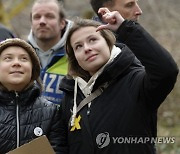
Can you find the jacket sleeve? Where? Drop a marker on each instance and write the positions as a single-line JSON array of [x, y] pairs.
[[55, 137], [160, 68], [60, 126]]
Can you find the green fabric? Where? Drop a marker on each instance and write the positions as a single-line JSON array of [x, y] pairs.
[[60, 67]]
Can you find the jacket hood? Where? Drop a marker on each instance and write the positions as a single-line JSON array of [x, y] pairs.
[[61, 42]]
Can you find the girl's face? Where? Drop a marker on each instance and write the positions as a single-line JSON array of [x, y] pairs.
[[15, 68], [90, 49]]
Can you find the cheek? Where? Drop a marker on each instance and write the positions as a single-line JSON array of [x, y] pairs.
[[28, 69], [34, 24], [79, 58], [34, 27], [125, 13], [105, 57], [3, 70], [4, 67], [55, 24], [78, 55]]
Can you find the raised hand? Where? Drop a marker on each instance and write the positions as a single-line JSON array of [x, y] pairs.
[[113, 19]]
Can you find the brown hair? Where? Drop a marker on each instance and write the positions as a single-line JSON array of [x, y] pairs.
[[74, 68]]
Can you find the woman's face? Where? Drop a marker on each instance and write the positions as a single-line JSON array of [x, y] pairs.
[[15, 68], [90, 49]]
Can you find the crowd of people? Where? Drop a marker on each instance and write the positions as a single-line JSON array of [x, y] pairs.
[[82, 82]]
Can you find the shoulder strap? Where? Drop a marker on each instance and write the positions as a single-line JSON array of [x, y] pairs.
[[88, 99], [91, 97]]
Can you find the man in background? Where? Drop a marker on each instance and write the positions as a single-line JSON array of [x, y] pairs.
[[48, 35], [129, 9]]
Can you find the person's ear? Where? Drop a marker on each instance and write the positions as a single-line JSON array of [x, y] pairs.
[[62, 24]]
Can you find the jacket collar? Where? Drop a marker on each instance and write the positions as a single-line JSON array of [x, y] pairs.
[[24, 97]]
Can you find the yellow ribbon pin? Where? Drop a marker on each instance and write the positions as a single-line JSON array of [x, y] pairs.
[[76, 124]]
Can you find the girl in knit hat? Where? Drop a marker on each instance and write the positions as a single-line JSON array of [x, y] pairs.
[[24, 115]]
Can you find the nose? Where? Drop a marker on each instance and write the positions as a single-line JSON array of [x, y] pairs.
[[16, 62], [87, 48], [42, 20], [138, 10]]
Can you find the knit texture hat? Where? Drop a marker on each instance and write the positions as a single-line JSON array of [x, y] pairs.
[[28, 48]]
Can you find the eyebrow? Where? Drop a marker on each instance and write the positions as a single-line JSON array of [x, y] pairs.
[[91, 35], [24, 54]]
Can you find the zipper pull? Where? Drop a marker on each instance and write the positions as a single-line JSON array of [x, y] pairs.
[[89, 109]]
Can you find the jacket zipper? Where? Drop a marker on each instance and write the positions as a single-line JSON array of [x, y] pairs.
[[17, 118]]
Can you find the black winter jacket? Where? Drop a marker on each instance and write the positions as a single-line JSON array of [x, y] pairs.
[[20, 116], [127, 108]]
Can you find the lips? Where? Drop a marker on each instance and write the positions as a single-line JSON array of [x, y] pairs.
[[16, 72], [91, 56], [42, 29]]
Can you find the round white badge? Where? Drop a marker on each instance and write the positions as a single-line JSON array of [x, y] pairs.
[[38, 131]]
